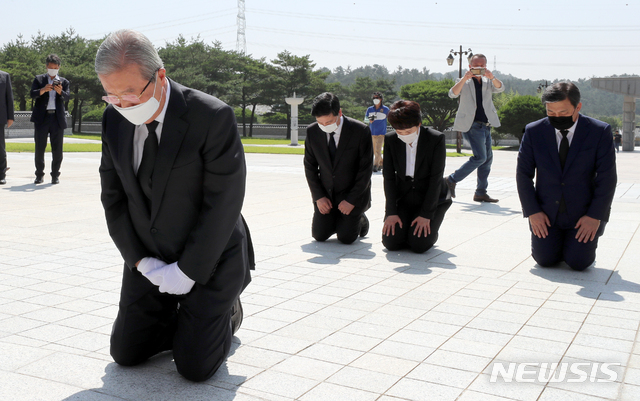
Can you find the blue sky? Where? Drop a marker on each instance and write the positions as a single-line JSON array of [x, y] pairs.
[[538, 40]]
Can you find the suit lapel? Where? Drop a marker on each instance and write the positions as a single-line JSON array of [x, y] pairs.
[[420, 151], [344, 140], [125, 159], [551, 143], [579, 137], [322, 148], [174, 129], [401, 156]]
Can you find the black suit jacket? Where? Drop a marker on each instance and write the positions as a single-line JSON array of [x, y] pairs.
[[588, 181], [6, 98], [40, 108], [198, 187], [427, 179], [349, 178]]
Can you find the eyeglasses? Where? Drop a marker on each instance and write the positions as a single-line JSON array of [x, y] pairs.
[[128, 98]]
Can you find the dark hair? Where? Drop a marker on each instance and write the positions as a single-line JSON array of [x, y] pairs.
[[53, 58], [325, 104], [378, 94], [404, 114], [478, 55], [561, 91]]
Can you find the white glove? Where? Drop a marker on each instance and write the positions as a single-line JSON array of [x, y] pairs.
[[148, 264], [170, 279]]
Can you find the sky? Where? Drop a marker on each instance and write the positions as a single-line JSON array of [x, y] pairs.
[[537, 40]]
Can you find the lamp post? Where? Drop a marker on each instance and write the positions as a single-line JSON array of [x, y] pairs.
[[542, 87], [450, 60]]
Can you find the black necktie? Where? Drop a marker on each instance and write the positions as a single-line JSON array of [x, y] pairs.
[[332, 147], [564, 147], [563, 152], [150, 150]]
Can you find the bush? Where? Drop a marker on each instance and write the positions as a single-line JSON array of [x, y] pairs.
[[247, 115], [94, 115], [518, 112], [274, 118]]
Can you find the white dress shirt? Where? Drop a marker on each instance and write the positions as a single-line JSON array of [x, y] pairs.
[[411, 156], [141, 133], [51, 105]]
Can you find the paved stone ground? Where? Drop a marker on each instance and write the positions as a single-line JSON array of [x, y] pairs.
[[325, 321]]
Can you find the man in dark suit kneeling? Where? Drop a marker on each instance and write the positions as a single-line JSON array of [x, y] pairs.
[[338, 162], [574, 163], [173, 183]]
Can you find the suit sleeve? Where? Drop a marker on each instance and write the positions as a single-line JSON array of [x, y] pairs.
[[9, 99], [389, 175], [525, 171], [35, 88], [312, 169], [65, 94], [365, 168], [605, 179], [116, 209], [223, 195], [436, 171]]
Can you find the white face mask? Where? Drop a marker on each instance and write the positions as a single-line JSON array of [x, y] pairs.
[[142, 112], [52, 72], [329, 128], [376, 101], [409, 138]]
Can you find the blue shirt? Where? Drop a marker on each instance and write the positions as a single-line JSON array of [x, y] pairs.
[[379, 125]]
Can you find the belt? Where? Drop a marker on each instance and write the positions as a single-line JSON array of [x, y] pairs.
[[51, 111], [482, 122]]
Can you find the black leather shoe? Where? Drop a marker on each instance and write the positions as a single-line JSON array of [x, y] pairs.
[[3, 181], [452, 186], [55, 181], [236, 316], [364, 225], [484, 198], [38, 180]]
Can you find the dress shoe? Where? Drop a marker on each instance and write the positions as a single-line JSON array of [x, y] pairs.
[[236, 316], [484, 198], [3, 181], [452, 186], [364, 225], [55, 181], [38, 180]]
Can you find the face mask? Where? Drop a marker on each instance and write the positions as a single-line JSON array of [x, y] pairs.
[[561, 123], [409, 138], [52, 72], [329, 128], [142, 112], [376, 101]]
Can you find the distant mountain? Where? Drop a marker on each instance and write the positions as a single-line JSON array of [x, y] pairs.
[[595, 102]]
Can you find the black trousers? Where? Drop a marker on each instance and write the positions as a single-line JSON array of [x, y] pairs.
[[196, 326], [346, 227], [3, 154], [561, 245], [405, 238], [50, 128]]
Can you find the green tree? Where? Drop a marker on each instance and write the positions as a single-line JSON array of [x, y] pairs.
[[22, 62], [361, 90], [520, 111], [438, 109]]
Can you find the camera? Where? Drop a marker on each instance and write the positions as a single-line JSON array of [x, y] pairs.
[[477, 70], [372, 117], [56, 82]]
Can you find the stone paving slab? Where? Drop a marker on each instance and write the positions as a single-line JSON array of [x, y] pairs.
[[326, 321]]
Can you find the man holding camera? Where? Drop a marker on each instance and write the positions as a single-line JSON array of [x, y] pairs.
[[377, 118], [48, 116], [475, 117]]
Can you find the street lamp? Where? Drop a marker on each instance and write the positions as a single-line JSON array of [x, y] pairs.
[[542, 87], [450, 60]]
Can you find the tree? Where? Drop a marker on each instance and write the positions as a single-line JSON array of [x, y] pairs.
[[361, 90], [438, 109], [520, 111], [22, 62]]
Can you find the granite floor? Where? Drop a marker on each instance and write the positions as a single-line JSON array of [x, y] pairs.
[[326, 321]]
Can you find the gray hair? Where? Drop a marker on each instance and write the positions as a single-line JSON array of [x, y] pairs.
[[124, 48]]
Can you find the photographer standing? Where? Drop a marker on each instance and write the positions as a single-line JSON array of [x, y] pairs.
[[376, 116], [475, 117], [48, 115]]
